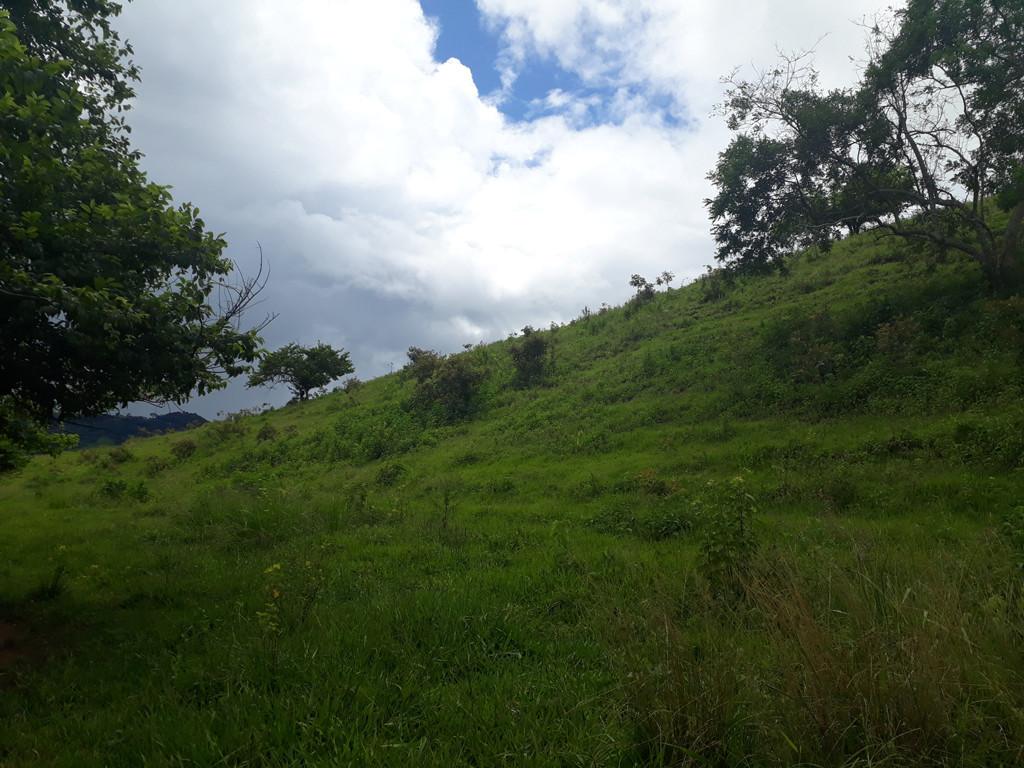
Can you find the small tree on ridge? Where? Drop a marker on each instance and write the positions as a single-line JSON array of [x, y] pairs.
[[303, 369]]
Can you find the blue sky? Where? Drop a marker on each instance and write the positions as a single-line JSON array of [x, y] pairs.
[[437, 183], [465, 35]]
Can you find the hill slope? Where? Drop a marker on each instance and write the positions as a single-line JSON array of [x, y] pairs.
[[757, 521]]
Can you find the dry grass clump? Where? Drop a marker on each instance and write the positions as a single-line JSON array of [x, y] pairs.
[[879, 661]]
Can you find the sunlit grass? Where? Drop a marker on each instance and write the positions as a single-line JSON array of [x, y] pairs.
[[565, 579]]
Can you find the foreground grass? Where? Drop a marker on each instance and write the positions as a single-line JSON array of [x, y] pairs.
[[769, 523]]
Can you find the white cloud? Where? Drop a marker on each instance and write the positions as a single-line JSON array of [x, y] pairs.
[[681, 48], [398, 206]]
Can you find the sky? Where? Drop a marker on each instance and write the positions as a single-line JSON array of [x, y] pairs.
[[445, 172]]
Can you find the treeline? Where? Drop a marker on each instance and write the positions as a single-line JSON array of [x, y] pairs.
[[111, 429]]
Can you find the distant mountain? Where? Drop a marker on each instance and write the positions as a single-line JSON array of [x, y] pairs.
[[113, 430]]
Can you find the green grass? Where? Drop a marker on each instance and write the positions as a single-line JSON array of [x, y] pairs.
[[766, 521]]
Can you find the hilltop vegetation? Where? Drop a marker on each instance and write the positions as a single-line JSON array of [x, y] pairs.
[[752, 521]]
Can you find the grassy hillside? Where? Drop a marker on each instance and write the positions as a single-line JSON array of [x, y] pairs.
[[766, 521]]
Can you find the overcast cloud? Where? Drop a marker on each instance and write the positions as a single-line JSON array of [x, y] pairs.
[[399, 206]]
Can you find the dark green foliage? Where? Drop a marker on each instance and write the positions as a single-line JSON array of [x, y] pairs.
[[645, 293], [898, 153], [351, 385], [116, 488], [714, 284], [447, 389], [376, 433], [531, 359], [104, 285], [1012, 529], [389, 474], [728, 543], [183, 449], [268, 432], [302, 369], [422, 363]]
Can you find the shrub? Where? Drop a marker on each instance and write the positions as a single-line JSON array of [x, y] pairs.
[[531, 359], [390, 474], [268, 432], [896, 340], [231, 426], [727, 542], [117, 489], [120, 454], [451, 391], [714, 284], [644, 294], [422, 363], [184, 449], [155, 465]]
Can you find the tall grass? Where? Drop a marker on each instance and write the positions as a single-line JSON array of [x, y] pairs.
[[883, 659]]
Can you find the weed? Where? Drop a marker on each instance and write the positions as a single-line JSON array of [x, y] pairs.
[[267, 433], [389, 474], [183, 449], [155, 465], [1012, 529], [727, 542], [115, 488], [120, 455], [56, 583], [291, 590], [557, 583], [232, 426], [503, 486]]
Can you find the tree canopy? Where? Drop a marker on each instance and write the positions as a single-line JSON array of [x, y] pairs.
[[921, 147], [108, 293], [302, 369]]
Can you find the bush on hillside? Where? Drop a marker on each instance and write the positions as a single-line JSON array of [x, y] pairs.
[[531, 358], [452, 390]]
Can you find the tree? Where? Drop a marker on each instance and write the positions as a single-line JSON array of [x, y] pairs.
[[303, 369], [422, 363], [531, 358], [108, 293], [921, 148], [447, 388]]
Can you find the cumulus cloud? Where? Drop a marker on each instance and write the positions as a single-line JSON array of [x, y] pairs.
[[396, 204], [678, 48]]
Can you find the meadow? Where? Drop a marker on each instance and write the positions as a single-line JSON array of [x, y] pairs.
[[751, 521]]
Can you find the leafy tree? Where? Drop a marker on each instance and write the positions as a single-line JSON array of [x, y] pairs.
[[918, 149], [531, 358], [108, 293], [644, 289], [422, 363], [303, 369], [447, 387]]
